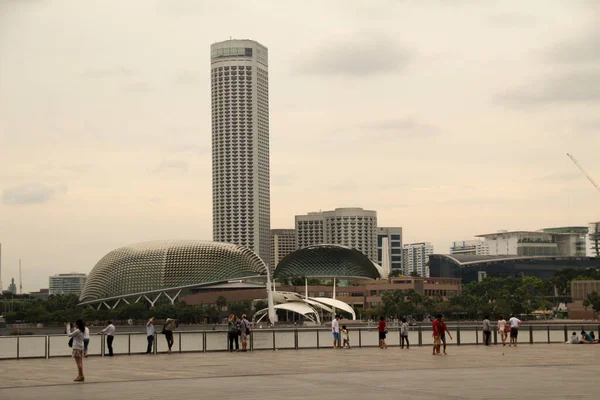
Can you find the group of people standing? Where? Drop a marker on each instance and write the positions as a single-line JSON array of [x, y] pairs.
[[238, 328]]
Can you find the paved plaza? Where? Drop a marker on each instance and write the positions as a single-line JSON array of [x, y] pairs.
[[468, 372]]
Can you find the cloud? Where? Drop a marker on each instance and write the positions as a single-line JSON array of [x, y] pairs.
[[400, 128], [562, 177], [282, 179], [34, 193], [570, 87], [358, 57], [118, 71], [584, 49], [176, 165]]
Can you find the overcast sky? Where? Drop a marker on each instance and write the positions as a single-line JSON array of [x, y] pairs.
[[450, 118]]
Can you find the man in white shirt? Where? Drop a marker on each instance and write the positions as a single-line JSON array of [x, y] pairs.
[[109, 331], [335, 329], [514, 323], [150, 334]]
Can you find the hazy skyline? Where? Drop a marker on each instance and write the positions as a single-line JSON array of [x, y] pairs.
[[449, 118]]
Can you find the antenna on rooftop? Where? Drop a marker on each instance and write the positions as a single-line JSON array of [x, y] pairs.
[[20, 278]]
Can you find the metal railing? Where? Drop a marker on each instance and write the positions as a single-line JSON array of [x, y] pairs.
[[128, 343]]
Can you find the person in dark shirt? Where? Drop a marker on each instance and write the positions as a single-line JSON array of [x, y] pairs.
[[437, 334]]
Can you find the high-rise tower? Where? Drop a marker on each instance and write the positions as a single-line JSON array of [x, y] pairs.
[[240, 145]]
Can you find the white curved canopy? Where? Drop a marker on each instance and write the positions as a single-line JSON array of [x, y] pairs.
[[297, 307], [335, 303], [317, 304]]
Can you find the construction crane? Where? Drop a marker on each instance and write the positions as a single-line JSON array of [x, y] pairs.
[[584, 172]]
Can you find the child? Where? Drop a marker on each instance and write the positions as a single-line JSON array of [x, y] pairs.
[[345, 337]]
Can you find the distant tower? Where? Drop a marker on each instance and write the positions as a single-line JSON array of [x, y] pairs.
[[240, 145]]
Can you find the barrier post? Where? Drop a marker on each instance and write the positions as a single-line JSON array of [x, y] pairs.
[[179, 341], [548, 327], [274, 348], [530, 334], [476, 335], [566, 333], [458, 335], [420, 336], [46, 346]]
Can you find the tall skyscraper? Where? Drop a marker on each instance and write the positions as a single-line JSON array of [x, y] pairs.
[[415, 257], [240, 145], [351, 227], [283, 242]]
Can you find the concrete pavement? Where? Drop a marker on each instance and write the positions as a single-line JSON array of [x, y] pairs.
[[468, 372]]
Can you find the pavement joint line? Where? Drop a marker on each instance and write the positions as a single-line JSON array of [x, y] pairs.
[[284, 375]]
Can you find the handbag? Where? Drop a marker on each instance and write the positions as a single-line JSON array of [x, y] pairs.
[[71, 342], [506, 329]]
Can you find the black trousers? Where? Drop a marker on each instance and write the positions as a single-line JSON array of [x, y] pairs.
[[109, 342], [487, 335], [150, 341], [233, 337], [402, 339], [169, 337]]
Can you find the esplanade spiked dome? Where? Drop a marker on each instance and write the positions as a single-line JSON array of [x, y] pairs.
[[327, 261], [162, 265]]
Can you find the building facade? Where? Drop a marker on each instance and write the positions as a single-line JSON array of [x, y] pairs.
[[12, 288], [283, 242], [240, 145], [351, 227], [415, 257], [562, 242], [389, 248], [594, 239], [67, 284], [466, 247]]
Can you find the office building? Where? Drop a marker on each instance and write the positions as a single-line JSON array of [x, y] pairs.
[[469, 267], [351, 227], [240, 145], [415, 257], [67, 284], [594, 239], [389, 249], [283, 242], [466, 247], [12, 288], [562, 242]]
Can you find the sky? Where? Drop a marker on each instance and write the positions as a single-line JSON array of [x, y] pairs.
[[449, 118]]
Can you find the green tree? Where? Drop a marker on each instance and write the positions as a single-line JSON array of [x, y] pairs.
[[221, 302], [593, 299]]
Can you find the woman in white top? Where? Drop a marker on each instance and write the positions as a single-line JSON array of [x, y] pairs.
[[78, 345], [502, 329]]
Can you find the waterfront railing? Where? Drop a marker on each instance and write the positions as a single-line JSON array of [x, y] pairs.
[[129, 343]]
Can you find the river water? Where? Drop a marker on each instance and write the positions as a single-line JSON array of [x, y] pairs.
[[262, 339]]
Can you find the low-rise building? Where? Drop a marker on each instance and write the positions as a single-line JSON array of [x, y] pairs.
[[67, 283], [465, 247]]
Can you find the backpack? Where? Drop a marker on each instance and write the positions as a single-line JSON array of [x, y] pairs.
[[248, 331]]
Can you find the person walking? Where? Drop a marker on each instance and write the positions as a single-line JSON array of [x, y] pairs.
[[232, 333], [437, 334], [382, 329], [514, 323], [335, 331], [78, 347], [150, 334], [404, 334], [502, 329], [168, 328], [245, 330], [443, 331], [109, 331], [86, 341], [487, 330]]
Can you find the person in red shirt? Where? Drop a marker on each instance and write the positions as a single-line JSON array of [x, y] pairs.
[[437, 334], [381, 327], [443, 331]]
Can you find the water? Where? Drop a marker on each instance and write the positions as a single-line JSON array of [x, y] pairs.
[[135, 343]]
